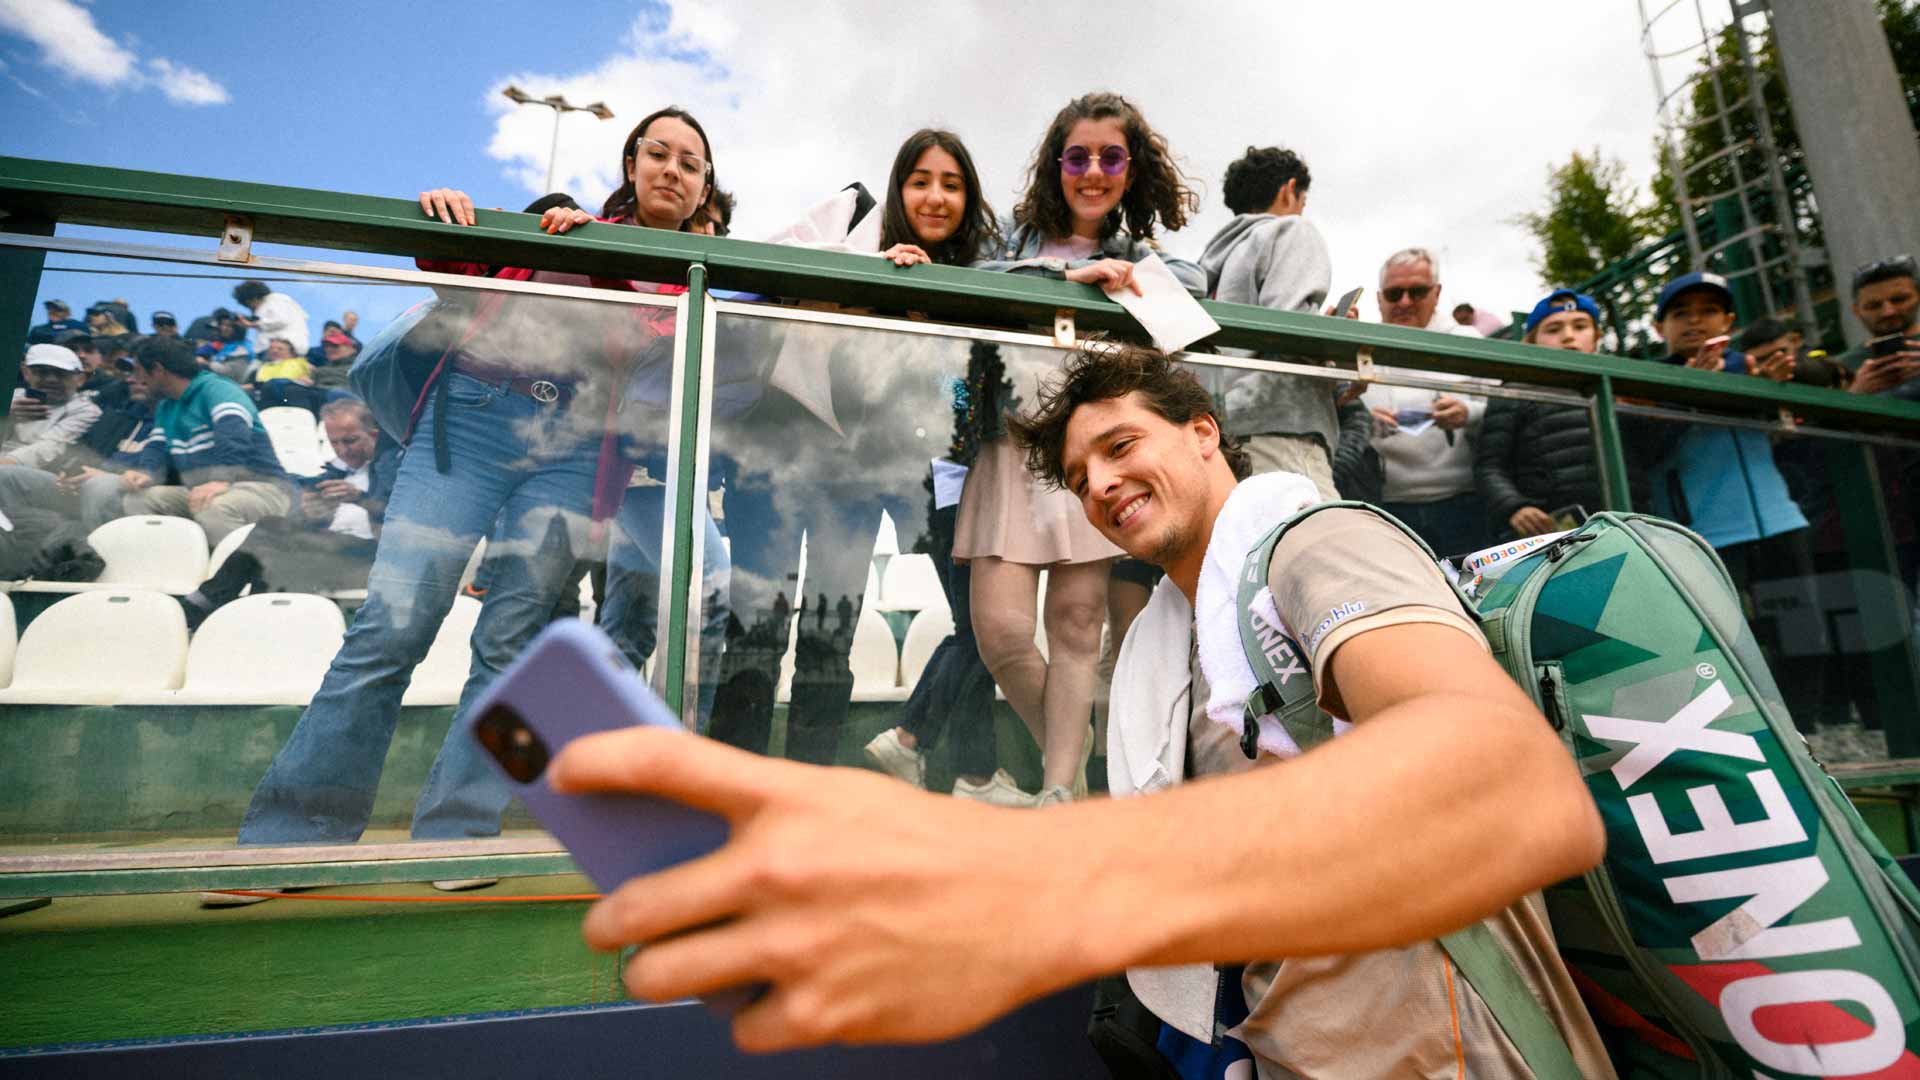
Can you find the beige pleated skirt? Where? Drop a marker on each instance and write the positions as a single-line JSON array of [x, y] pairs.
[[1005, 513]]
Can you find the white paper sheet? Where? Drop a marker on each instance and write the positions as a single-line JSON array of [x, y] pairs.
[[948, 479], [1173, 318]]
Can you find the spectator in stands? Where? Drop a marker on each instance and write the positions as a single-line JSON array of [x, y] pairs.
[[1775, 349], [83, 347], [104, 474], [1272, 256], [330, 543], [208, 432], [274, 315], [164, 324], [1425, 438], [205, 327], [715, 217], [227, 353], [1535, 459], [59, 320], [1886, 300], [333, 358], [506, 449], [53, 375], [285, 378], [1723, 483], [1484, 323], [1101, 183], [111, 318]]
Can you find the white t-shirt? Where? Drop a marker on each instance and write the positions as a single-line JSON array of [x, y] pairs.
[[279, 315], [351, 518]]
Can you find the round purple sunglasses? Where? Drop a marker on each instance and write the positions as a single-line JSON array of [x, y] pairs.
[[1078, 159]]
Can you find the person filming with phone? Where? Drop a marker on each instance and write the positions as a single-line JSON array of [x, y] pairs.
[[1723, 483], [1886, 300]]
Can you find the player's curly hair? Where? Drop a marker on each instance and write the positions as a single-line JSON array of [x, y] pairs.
[[1102, 371]]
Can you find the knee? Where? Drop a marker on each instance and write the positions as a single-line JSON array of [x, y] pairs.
[[1003, 639], [1073, 625]]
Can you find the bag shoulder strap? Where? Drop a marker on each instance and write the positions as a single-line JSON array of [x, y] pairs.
[[1276, 658], [1492, 974]]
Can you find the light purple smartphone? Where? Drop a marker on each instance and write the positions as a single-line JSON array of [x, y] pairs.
[[573, 681]]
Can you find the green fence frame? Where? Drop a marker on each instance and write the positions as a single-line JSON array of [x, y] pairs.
[[35, 196]]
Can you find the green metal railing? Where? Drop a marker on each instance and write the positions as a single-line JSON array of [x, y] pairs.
[[36, 196]]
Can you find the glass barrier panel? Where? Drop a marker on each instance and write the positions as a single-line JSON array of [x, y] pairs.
[[1817, 533], [243, 614]]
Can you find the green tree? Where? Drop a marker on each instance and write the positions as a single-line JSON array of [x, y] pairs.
[[1594, 217]]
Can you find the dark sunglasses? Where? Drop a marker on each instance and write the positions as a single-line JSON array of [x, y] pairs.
[[1892, 265], [1077, 159], [1415, 292]]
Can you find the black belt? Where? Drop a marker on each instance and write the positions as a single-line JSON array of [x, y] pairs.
[[544, 391]]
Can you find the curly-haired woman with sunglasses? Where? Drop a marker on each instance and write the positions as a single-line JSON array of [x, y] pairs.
[[1102, 182]]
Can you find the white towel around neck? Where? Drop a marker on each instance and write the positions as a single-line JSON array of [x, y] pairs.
[[1255, 507]]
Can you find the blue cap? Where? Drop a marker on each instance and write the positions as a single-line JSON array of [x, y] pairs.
[[1696, 280], [1562, 300]]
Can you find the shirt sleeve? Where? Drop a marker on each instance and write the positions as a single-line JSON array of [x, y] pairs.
[[59, 436], [1346, 571]]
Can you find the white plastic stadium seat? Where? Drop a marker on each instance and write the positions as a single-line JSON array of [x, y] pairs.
[[924, 635], [874, 659], [438, 679], [270, 649], [911, 583], [293, 432], [9, 639], [227, 547], [98, 647]]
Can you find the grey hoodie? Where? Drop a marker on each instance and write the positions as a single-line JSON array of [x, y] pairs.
[[1277, 262]]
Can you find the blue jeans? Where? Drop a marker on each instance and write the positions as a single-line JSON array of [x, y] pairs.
[[1452, 527], [514, 460], [630, 611]]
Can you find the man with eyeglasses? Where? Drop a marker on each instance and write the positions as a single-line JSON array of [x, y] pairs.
[[1886, 300], [1425, 438]]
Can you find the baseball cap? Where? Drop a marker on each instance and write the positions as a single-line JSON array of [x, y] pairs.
[[1562, 300], [53, 356], [70, 338], [1699, 279], [61, 304], [163, 316], [337, 337]]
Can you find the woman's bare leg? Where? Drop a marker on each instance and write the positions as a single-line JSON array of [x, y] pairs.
[[1004, 598], [1075, 608]]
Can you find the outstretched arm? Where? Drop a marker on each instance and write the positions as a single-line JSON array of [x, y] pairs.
[[879, 913]]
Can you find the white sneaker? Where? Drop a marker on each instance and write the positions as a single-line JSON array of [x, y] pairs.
[[463, 884], [893, 757], [1055, 795], [999, 790]]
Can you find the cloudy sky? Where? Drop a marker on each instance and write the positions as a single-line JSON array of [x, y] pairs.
[[1422, 125]]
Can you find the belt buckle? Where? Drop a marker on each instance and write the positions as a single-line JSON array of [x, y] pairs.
[[544, 392]]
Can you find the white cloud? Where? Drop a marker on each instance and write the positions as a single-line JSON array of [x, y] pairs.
[[184, 85], [73, 43], [1421, 126]]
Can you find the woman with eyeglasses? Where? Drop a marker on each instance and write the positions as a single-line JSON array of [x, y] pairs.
[[1101, 184], [518, 438]]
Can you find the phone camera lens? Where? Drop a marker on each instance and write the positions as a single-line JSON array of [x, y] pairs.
[[514, 745]]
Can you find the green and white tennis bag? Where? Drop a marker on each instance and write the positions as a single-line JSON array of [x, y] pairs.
[[1745, 922]]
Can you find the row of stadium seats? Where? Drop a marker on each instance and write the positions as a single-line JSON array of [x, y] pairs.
[[274, 648]]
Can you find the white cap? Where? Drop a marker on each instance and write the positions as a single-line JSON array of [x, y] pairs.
[[53, 356]]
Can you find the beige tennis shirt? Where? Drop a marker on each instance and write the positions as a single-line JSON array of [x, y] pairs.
[[1395, 1012]]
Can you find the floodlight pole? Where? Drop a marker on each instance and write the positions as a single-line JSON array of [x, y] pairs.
[[559, 105]]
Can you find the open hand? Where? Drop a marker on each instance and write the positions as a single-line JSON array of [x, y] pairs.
[[906, 254], [449, 205], [559, 219]]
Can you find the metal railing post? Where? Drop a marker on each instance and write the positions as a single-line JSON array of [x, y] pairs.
[[1610, 448], [683, 520]]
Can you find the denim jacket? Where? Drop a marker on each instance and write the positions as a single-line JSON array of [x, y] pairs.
[[1018, 252]]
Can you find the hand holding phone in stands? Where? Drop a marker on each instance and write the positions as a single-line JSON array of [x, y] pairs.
[[1712, 355], [1347, 307]]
